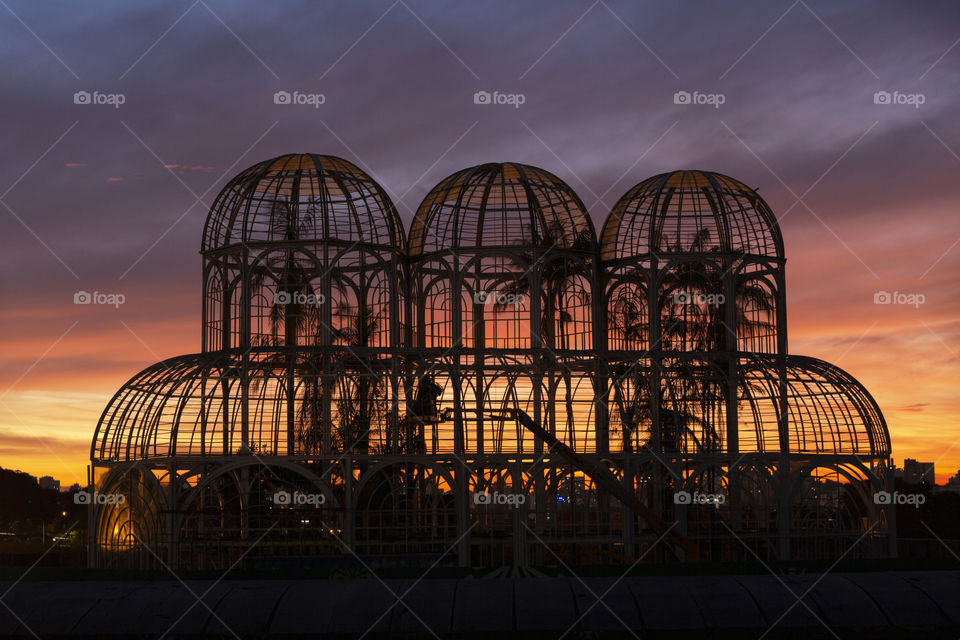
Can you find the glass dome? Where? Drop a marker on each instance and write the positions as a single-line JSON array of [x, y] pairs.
[[691, 212], [498, 205], [302, 197]]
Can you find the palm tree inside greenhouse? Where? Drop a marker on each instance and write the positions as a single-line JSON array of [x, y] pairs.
[[692, 308]]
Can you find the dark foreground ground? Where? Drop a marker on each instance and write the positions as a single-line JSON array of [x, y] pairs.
[[893, 604]]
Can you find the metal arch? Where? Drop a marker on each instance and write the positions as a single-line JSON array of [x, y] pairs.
[[839, 384], [864, 402], [256, 463], [137, 395], [438, 467], [855, 473], [851, 467], [104, 515], [166, 384]]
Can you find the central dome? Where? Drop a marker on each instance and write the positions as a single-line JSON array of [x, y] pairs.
[[302, 197], [500, 205]]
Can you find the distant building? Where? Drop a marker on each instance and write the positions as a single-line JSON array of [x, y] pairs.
[[953, 484], [916, 472], [47, 482]]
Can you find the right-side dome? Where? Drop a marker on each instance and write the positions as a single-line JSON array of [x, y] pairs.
[[691, 212]]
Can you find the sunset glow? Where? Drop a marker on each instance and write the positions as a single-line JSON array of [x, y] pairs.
[[112, 200]]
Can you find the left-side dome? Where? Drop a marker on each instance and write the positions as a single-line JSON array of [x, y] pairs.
[[303, 197]]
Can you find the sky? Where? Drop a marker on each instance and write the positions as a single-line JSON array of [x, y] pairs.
[[121, 121]]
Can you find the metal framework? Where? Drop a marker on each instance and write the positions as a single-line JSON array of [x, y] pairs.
[[503, 387]]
